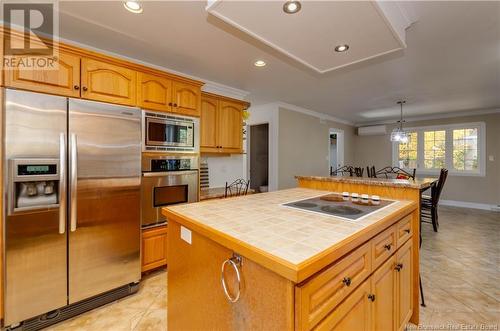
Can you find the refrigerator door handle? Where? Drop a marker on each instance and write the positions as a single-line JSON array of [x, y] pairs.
[[62, 183], [73, 181]]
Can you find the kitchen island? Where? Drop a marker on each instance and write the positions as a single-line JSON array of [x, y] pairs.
[[252, 263]]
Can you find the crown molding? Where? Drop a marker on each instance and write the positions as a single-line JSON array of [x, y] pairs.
[[306, 111], [433, 117]]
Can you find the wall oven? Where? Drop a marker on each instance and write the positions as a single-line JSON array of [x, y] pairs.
[[168, 133], [167, 180]]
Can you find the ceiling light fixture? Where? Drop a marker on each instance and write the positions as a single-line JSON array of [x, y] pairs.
[[341, 48], [291, 6], [398, 134], [133, 6], [259, 63]]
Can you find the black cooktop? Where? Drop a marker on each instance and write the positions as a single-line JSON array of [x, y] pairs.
[[335, 205]]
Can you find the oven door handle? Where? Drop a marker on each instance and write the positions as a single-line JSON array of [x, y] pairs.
[[169, 173]]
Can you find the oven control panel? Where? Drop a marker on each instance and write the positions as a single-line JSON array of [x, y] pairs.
[[170, 165]]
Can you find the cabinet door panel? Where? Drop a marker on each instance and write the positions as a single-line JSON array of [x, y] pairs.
[[405, 284], [384, 289], [230, 130], [154, 248], [208, 122], [186, 99], [154, 92], [64, 80], [106, 82], [354, 313]]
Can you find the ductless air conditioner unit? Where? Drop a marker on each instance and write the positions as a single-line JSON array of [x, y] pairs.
[[373, 130]]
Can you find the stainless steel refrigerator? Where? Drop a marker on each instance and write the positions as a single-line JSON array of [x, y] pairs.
[[72, 172]]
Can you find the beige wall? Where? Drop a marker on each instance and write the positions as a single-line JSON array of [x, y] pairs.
[[377, 151], [304, 146]]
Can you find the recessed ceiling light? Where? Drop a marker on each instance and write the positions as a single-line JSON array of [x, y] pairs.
[[259, 63], [341, 48], [133, 6], [291, 6]]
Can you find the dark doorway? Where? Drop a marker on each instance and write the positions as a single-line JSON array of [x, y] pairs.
[[259, 157]]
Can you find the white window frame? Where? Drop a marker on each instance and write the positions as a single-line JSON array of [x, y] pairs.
[[481, 145]]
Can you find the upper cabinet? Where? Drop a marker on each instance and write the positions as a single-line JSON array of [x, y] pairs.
[[84, 74], [154, 92], [186, 99], [107, 82], [64, 80], [221, 124]]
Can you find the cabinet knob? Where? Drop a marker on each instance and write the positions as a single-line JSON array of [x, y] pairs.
[[407, 230], [170, 104], [175, 105], [398, 267], [346, 281], [371, 297], [76, 87], [388, 246], [84, 88]]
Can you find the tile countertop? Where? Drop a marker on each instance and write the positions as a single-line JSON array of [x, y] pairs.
[[418, 183], [281, 238]]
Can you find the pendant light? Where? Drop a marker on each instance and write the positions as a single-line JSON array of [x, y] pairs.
[[398, 134]]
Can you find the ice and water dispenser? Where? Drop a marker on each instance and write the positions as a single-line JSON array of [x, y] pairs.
[[34, 184]]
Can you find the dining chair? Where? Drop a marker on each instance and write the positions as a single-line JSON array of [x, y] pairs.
[[343, 171], [358, 171], [429, 204], [237, 188], [394, 172]]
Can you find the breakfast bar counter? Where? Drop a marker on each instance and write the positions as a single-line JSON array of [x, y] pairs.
[[252, 263]]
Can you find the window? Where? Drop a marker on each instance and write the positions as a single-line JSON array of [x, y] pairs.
[[459, 148], [434, 149], [408, 152]]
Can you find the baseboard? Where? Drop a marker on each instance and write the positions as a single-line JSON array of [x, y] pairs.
[[473, 205]]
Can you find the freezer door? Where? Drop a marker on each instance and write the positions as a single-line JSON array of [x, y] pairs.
[[35, 239], [104, 200]]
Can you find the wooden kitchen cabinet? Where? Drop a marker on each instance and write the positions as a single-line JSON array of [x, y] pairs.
[[404, 282], [63, 80], [186, 99], [383, 283], [154, 92], [107, 82], [221, 124], [154, 248]]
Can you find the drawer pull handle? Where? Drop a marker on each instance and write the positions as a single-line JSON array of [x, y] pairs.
[[407, 231], [235, 261], [388, 246], [371, 297], [346, 281], [398, 267]]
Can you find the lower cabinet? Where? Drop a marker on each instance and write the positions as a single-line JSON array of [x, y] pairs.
[[382, 302], [154, 248]]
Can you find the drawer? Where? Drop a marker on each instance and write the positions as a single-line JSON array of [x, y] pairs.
[[405, 230], [319, 296], [383, 246]]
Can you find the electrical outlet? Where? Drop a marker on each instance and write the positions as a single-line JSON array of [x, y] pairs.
[[491, 158]]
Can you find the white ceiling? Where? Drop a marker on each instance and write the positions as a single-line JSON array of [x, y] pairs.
[[451, 63], [310, 35]]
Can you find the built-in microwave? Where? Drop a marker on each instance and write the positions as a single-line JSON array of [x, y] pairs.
[[163, 132]]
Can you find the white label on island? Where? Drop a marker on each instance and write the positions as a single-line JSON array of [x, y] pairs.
[[186, 235]]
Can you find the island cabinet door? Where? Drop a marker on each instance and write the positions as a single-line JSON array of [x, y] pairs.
[[384, 296], [354, 313], [404, 281], [196, 298]]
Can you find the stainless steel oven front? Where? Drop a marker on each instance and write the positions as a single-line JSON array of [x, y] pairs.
[[168, 133], [167, 180]]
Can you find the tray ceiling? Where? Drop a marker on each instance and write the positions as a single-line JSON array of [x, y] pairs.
[[370, 28]]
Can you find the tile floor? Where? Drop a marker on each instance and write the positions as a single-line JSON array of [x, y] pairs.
[[459, 266]]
